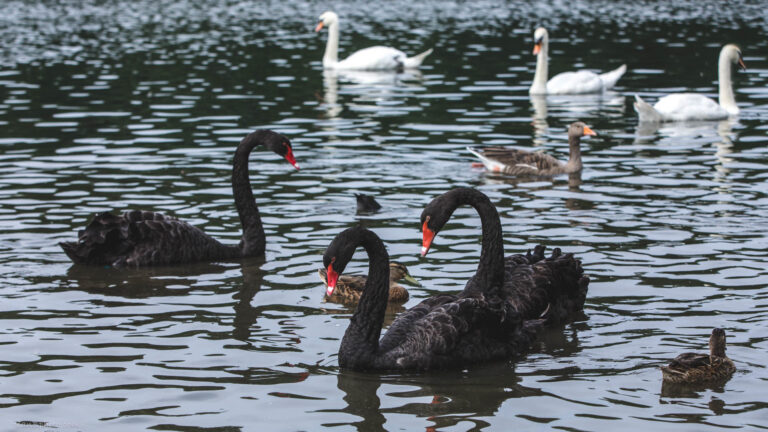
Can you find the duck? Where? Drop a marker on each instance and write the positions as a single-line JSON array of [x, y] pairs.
[[366, 204], [371, 58], [524, 163], [532, 284], [140, 238], [694, 106], [693, 368], [349, 288], [578, 82], [441, 332]]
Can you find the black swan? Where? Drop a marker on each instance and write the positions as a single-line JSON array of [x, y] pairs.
[[443, 331], [524, 163], [143, 238], [531, 283], [693, 368]]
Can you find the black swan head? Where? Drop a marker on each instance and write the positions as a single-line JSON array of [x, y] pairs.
[[436, 215], [339, 253], [276, 142]]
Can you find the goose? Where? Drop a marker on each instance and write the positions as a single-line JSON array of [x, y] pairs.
[[524, 163], [372, 58], [579, 82], [692, 368], [694, 106], [144, 238]]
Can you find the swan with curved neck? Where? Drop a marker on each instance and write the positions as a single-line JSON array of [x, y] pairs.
[[143, 238], [524, 163], [579, 82], [530, 283], [445, 331], [372, 58], [693, 106]]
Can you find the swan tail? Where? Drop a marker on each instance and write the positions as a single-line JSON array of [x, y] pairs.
[[645, 111], [610, 79], [563, 277], [100, 243], [415, 61]]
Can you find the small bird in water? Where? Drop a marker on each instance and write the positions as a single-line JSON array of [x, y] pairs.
[[692, 368], [366, 204], [349, 288]]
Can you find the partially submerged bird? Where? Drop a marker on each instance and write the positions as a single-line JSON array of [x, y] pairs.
[[348, 289], [579, 82], [371, 58], [524, 163], [694, 106], [366, 204], [144, 238], [692, 368]]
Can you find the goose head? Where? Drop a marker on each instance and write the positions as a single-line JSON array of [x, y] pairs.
[[579, 129], [326, 19], [540, 37], [733, 54]]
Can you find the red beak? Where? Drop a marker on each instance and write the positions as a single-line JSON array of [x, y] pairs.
[[289, 157], [427, 235], [332, 277]]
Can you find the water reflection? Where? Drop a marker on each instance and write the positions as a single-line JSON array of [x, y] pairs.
[[365, 86], [245, 313]]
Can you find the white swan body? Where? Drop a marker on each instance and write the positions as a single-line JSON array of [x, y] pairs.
[[579, 82], [693, 106], [372, 58]]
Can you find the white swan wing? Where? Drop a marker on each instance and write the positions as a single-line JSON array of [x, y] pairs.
[[689, 106], [575, 83], [374, 58]]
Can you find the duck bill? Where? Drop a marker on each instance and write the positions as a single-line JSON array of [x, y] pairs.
[[427, 235], [331, 277], [588, 131], [291, 159], [319, 27], [537, 48], [411, 279]]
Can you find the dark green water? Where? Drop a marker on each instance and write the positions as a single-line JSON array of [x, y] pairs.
[[112, 105]]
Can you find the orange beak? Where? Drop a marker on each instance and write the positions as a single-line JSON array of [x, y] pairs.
[[741, 64], [427, 235], [588, 131], [332, 277], [319, 27], [537, 48]]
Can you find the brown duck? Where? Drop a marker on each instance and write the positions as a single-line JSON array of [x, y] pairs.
[[350, 288], [692, 368], [524, 163]]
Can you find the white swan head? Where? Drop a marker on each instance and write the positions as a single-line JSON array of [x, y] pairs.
[[326, 19], [732, 53], [540, 37]]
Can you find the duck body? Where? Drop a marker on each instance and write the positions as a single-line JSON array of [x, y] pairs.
[[693, 106], [371, 58], [524, 163], [349, 288], [144, 238], [693, 368]]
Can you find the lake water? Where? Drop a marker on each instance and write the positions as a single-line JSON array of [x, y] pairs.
[[138, 104]]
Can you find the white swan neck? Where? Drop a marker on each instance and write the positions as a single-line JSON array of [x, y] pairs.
[[539, 85], [331, 56], [727, 99]]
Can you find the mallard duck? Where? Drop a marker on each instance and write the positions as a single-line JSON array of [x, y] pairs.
[[350, 288], [524, 163], [692, 368]]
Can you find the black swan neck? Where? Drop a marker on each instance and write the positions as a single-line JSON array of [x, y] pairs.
[[361, 340], [574, 158], [490, 271], [253, 242]]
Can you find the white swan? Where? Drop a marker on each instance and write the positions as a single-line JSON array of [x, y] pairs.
[[373, 58], [692, 106], [578, 82]]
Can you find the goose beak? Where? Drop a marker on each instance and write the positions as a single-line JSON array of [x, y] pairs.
[[332, 277], [588, 131], [319, 27], [741, 64], [537, 48], [292, 160], [427, 235]]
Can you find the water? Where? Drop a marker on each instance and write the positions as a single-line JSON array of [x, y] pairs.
[[138, 104]]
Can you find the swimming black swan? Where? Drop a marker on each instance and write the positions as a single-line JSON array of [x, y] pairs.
[[524, 163], [349, 288], [530, 283], [142, 238], [692, 368], [440, 332]]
